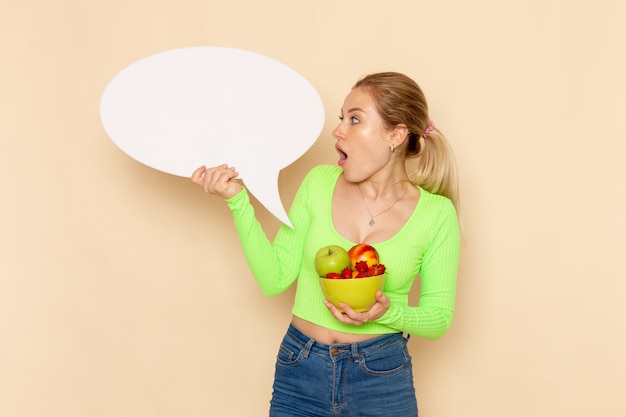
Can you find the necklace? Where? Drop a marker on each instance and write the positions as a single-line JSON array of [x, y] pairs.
[[372, 217]]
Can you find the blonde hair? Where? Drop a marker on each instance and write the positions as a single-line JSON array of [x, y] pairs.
[[430, 161]]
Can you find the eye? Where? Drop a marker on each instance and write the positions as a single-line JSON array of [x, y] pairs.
[[353, 119]]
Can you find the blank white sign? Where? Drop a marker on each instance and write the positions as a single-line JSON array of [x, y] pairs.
[[183, 108]]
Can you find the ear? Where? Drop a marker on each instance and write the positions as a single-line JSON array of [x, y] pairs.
[[398, 135]]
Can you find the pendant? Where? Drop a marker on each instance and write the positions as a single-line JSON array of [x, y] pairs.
[[372, 222]]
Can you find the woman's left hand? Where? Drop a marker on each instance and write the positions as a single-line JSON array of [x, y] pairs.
[[352, 317]]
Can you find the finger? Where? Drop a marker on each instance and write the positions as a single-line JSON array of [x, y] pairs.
[[232, 173], [220, 178], [331, 307], [212, 180], [355, 316], [336, 313], [197, 176], [341, 316], [222, 182], [383, 299]]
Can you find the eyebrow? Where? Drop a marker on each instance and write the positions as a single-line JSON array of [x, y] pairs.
[[353, 109]]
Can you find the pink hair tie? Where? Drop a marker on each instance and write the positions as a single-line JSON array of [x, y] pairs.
[[429, 128]]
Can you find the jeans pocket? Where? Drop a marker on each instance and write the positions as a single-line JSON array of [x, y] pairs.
[[289, 352], [388, 361]]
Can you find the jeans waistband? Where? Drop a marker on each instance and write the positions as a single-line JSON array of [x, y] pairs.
[[355, 349]]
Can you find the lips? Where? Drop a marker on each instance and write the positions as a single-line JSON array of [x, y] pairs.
[[342, 155]]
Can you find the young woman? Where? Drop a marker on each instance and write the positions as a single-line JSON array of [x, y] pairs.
[[333, 363]]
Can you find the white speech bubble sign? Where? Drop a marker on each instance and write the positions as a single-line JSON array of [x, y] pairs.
[[177, 110]]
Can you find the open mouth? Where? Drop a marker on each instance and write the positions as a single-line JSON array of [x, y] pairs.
[[342, 155]]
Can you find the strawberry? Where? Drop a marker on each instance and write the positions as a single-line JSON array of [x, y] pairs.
[[333, 275], [346, 273], [361, 266], [377, 269]]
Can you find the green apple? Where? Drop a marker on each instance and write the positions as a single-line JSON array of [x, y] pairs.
[[332, 258]]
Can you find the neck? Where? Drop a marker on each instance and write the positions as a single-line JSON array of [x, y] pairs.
[[389, 195], [389, 188]]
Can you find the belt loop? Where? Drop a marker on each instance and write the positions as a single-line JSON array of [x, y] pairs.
[[355, 350], [307, 348]]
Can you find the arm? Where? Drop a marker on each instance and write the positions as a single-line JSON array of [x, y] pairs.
[[433, 316], [275, 265]]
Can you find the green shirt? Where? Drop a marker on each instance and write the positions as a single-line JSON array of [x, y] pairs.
[[426, 248]]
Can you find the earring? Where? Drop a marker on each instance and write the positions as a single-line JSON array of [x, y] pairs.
[[392, 148]]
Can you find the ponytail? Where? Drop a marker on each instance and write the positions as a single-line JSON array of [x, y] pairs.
[[433, 166]]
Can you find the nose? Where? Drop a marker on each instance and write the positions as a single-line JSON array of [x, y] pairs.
[[338, 132]]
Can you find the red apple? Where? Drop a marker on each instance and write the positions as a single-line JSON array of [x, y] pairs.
[[332, 258], [362, 252]]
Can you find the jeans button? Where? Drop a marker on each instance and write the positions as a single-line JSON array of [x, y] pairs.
[[334, 352]]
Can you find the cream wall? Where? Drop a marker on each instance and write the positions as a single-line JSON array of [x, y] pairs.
[[123, 292]]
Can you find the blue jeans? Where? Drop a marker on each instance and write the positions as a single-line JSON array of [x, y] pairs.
[[373, 378]]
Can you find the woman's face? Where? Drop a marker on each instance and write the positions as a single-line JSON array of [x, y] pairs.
[[362, 140]]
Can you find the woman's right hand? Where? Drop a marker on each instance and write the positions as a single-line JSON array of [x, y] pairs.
[[219, 181]]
